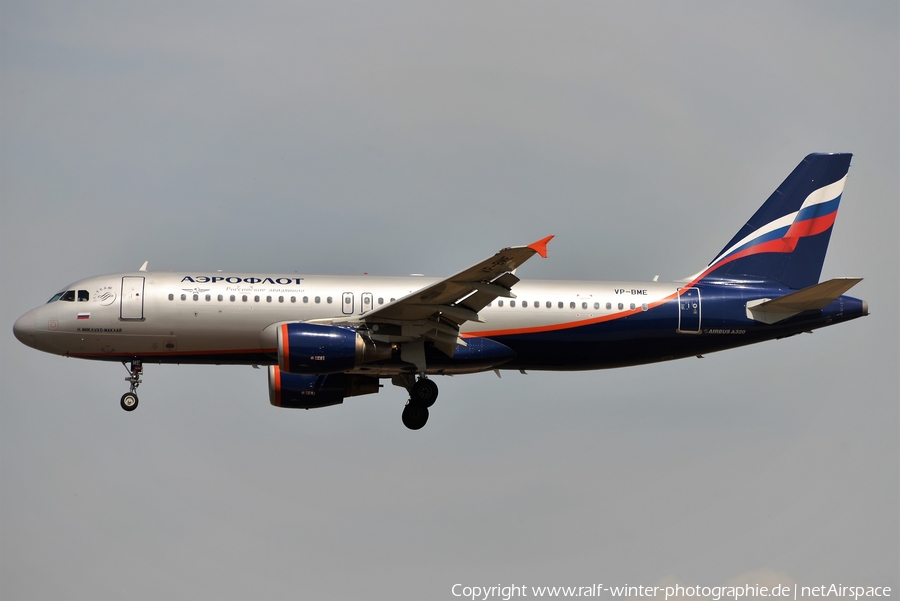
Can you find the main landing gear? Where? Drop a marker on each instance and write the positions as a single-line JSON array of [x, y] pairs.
[[422, 395], [129, 400]]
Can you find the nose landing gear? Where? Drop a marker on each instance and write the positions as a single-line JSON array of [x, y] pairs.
[[129, 400]]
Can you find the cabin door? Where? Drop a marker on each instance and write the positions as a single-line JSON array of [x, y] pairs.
[[132, 298], [689, 311]]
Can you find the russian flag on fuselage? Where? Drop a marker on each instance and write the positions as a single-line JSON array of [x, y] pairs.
[[787, 237]]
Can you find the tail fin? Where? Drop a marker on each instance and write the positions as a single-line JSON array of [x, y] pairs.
[[787, 237]]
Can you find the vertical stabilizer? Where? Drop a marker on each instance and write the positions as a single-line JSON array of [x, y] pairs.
[[787, 237]]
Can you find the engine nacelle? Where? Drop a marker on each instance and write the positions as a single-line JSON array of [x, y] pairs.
[[306, 348], [298, 391]]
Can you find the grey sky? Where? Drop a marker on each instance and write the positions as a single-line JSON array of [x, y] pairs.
[[401, 138]]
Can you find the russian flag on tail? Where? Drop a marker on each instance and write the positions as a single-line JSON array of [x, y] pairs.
[[786, 239]]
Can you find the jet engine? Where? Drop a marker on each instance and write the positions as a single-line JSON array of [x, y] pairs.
[[306, 348], [301, 391]]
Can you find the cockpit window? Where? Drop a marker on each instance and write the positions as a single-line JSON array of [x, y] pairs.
[[56, 297], [83, 296], [68, 295]]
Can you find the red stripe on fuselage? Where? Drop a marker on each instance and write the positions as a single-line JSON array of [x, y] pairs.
[[570, 324]]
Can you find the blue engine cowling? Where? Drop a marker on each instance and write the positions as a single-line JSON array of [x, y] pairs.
[[305, 348], [298, 391]]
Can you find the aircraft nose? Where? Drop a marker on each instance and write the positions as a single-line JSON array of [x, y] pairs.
[[24, 329]]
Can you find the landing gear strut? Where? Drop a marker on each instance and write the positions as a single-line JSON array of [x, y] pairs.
[[422, 395], [129, 400]]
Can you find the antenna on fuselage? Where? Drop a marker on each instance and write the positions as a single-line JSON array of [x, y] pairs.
[[144, 266]]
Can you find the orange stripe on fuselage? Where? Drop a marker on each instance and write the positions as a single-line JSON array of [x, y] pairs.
[[572, 324]]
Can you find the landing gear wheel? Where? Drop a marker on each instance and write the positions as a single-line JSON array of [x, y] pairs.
[[129, 401], [415, 416], [423, 392]]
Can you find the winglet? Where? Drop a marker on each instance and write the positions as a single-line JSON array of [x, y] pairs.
[[540, 247], [144, 266]]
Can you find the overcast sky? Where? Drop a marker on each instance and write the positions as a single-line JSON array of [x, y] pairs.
[[397, 138]]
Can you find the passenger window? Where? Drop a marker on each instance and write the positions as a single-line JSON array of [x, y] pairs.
[[560, 304], [346, 300], [632, 306], [231, 298], [293, 299], [549, 304], [621, 306], [380, 300], [644, 307], [83, 296], [499, 303], [318, 299], [572, 305], [609, 305], [329, 300], [220, 298], [393, 299], [184, 297], [256, 298], [305, 299], [208, 297], [268, 299], [244, 298], [584, 305], [512, 303], [196, 297], [171, 296], [280, 299], [596, 305], [68, 296]]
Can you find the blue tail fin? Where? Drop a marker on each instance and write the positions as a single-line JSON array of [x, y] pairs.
[[787, 237]]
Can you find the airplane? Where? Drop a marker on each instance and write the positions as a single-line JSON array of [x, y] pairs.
[[326, 338]]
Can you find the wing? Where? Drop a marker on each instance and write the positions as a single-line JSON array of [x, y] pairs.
[[437, 311]]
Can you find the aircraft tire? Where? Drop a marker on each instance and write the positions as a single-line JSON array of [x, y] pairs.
[[129, 401], [424, 392], [415, 416]]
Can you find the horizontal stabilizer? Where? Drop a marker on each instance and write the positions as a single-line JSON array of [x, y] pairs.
[[812, 298]]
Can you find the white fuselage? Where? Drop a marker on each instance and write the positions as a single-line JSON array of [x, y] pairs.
[[154, 314]]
